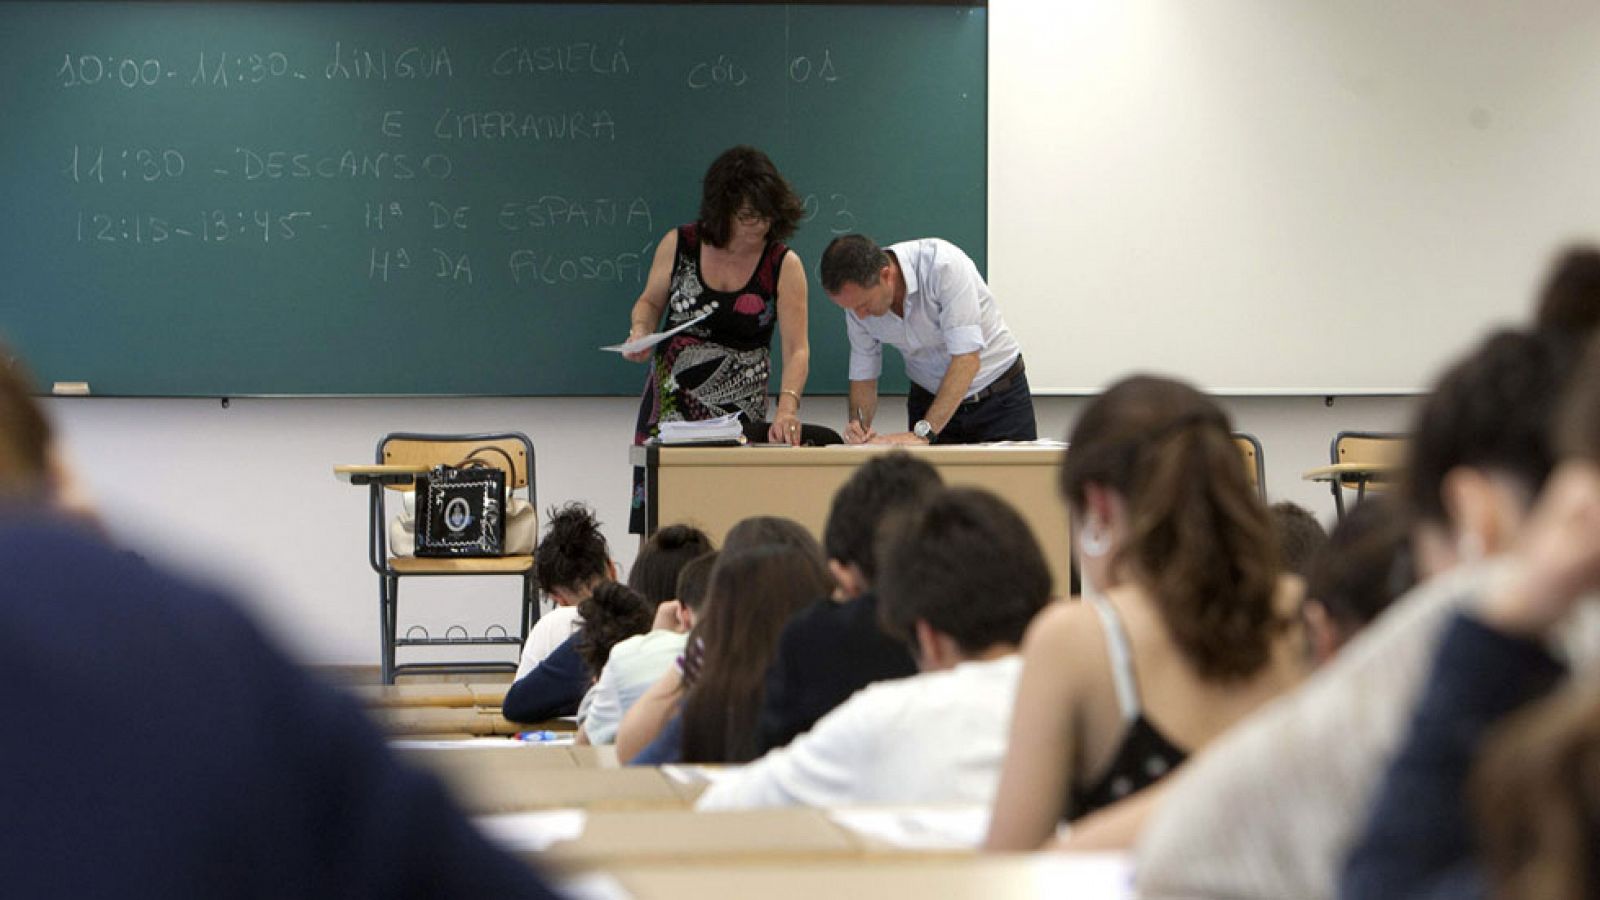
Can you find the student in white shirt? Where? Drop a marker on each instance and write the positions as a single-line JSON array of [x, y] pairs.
[[926, 299], [639, 661], [960, 578]]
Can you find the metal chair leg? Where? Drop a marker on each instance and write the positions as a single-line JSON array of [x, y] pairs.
[[388, 590]]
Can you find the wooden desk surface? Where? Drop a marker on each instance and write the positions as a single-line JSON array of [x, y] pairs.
[[715, 487], [685, 837], [989, 877], [363, 473], [493, 781], [1370, 471]]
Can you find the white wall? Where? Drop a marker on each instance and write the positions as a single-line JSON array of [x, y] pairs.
[[246, 494], [1283, 194]]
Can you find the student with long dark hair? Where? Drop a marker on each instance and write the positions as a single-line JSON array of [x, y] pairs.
[[1190, 627]]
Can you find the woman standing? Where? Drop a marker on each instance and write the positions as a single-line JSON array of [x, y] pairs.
[[732, 268]]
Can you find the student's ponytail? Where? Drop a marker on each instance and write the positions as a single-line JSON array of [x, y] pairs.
[[1199, 539]]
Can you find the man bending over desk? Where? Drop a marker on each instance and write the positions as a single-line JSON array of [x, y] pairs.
[[926, 299]]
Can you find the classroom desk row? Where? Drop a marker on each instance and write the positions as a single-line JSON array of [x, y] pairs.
[[445, 710], [632, 832]]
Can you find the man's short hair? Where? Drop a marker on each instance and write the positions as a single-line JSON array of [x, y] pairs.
[[853, 259], [966, 563], [1493, 410], [1365, 565], [881, 485], [694, 579], [1299, 534]]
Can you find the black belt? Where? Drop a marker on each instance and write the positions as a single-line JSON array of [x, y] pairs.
[[1000, 385]]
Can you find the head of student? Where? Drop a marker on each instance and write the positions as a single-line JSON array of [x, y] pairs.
[[1364, 566], [1569, 301], [1155, 484], [1481, 447], [25, 439], [655, 571], [960, 576], [573, 556], [879, 487], [756, 531], [611, 613], [754, 591], [857, 276], [1300, 536], [744, 195]]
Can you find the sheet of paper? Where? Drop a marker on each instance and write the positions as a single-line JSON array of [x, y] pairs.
[[535, 831], [918, 827], [1103, 876], [594, 886], [463, 744], [650, 340], [684, 774]]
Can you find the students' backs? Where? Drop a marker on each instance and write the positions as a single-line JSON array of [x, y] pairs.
[[157, 746]]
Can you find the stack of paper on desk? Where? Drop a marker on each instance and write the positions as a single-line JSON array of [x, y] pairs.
[[720, 429]]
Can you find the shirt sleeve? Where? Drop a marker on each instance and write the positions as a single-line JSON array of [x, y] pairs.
[[605, 710], [955, 291], [554, 687], [866, 351], [825, 766], [1418, 840]]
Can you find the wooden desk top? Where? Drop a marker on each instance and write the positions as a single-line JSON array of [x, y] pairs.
[[684, 837], [370, 472], [993, 877], [1354, 472]]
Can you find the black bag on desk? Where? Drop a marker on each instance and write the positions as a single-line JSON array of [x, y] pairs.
[[461, 508]]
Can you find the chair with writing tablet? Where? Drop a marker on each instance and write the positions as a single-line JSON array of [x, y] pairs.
[[401, 456], [1363, 461], [1255, 467]]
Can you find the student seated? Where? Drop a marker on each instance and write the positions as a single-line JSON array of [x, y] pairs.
[[641, 660], [1272, 808], [1538, 803], [960, 580], [611, 614], [835, 646], [571, 560], [1363, 568], [283, 789], [654, 577], [1192, 628], [653, 722]]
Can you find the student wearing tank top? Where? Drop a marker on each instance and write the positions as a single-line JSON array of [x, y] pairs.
[[1193, 625]]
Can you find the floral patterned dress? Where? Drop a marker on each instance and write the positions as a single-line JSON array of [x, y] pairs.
[[720, 364]]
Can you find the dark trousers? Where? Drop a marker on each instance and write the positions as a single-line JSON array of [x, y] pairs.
[[1006, 416]]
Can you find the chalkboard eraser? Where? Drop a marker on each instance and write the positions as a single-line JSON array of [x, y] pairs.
[[70, 389]]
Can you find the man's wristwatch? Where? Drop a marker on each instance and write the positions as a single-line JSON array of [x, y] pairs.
[[923, 430]]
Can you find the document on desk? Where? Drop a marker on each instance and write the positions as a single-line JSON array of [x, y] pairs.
[[917, 827], [1103, 876], [650, 340], [535, 831]]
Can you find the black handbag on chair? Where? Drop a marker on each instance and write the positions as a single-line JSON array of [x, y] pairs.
[[461, 509]]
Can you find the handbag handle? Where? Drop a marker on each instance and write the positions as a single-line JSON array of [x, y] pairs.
[[511, 465]]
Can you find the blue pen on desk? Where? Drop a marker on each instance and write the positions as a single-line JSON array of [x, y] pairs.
[[537, 737]]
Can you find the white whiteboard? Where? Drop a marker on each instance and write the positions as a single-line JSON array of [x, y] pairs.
[[1282, 196]]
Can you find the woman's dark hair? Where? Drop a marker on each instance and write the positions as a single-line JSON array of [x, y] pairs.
[[1199, 539], [744, 175], [612, 613], [1536, 798], [573, 552], [24, 433], [694, 579], [1493, 410], [1365, 565], [753, 594], [757, 531], [967, 564], [655, 571]]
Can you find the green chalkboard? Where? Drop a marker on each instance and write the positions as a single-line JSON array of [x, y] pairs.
[[224, 199]]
